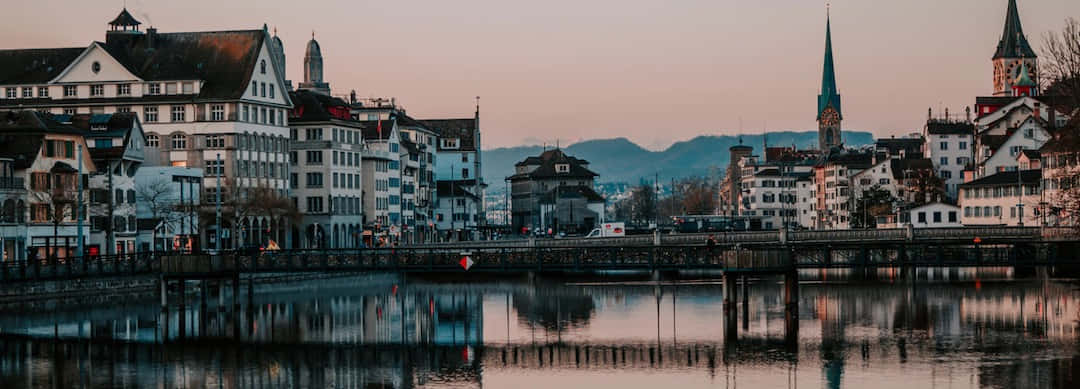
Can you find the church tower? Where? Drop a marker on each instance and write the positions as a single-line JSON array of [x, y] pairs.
[[313, 69], [1014, 55], [828, 112]]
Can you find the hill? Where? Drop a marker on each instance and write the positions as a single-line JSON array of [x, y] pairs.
[[620, 160]]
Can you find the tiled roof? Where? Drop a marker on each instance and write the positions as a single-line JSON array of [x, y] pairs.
[[899, 166], [938, 127], [223, 59], [21, 135], [462, 129], [547, 162], [35, 66], [1030, 177], [1032, 154]]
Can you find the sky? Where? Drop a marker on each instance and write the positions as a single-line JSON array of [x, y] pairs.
[[652, 71]]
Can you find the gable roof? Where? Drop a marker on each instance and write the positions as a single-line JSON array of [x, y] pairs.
[[124, 19], [223, 59], [22, 133], [35, 66], [371, 132], [462, 129]]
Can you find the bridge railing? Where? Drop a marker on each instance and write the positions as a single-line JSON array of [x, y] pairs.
[[79, 267], [970, 233]]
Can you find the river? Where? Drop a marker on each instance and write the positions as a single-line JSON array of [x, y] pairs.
[[939, 328]]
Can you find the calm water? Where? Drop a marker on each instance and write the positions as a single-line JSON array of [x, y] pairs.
[[941, 329]]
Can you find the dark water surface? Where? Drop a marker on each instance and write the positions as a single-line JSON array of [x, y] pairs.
[[955, 328]]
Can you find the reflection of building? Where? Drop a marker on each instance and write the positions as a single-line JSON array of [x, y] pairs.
[[554, 190]]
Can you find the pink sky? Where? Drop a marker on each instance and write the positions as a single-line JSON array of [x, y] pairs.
[[652, 71]]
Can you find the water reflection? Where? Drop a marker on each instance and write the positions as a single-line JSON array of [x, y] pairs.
[[932, 328]]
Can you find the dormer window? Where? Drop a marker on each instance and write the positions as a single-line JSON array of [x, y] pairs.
[[450, 143], [562, 168]]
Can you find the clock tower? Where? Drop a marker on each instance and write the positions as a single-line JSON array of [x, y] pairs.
[[828, 108], [1013, 55]]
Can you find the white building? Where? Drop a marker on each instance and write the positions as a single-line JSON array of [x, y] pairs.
[[166, 197], [45, 156], [950, 147], [116, 144], [326, 175], [935, 215], [199, 94], [381, 168], [1006, 198]]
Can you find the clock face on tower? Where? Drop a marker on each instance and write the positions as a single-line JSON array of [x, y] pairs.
[[830, 117]]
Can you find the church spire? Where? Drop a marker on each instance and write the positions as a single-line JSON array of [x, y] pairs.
[[829, 94], [1013, 43]]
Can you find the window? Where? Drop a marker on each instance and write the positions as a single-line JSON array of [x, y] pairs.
[[262, 87], [272, 116], [314, 179], [944, 145], [952, 216], [179, 112], [314, 157], [946, 174], [103, 143], [123, 89], [967, 211], [97, 90], [294, 180], [27, 92], [215, 167], [271, 91], [963, 145], [997, 211], [215, 141], [170, 88], [179, 141], [150, 114], [883, 181], [255, 88], [262, 115], [262, 67], [153, 89], [1012, 212], [464, 173], [314, 133], [1015, 150], [559, 168], [70, 91], [393, 165], [43, 91], [394, 182], [314, 204], [12, 93], [944, 161], [395, 200], [69, 149], [246, 113], [189, 88], [978, 211], [123, 109], [937, 217], [292, 157], [152, 140]]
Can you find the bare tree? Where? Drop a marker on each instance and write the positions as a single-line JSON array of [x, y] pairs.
[[159, 197], [1061, 64], [55, 191], [259, 201], [698, 196]]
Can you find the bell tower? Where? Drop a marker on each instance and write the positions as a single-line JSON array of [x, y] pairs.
[[828, 108], [1014, 55]]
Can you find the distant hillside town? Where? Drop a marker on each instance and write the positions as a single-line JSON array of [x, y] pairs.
[[193, 141]]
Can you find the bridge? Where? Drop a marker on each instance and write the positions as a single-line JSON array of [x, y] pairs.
[[738, 252]]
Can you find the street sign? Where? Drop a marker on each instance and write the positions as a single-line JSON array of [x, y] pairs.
[[466, 262]]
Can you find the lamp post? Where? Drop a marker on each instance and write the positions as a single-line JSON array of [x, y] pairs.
[[217, 221]]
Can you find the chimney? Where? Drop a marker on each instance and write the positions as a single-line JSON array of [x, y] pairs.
[[352, 97], [1038, 110], [151, 37], [967, 113]]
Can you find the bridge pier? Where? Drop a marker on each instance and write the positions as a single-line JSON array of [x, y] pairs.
[[731, 291], [745, 304], [791, 308]]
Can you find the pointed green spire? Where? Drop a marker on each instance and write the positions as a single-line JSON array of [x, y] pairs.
[[1013, 43], [1024, 79], [829, 94]]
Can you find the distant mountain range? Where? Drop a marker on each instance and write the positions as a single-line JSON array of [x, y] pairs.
[[620, 160]]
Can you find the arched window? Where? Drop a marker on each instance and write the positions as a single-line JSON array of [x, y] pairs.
[[262, 67], [179, 141], [152, 140]]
